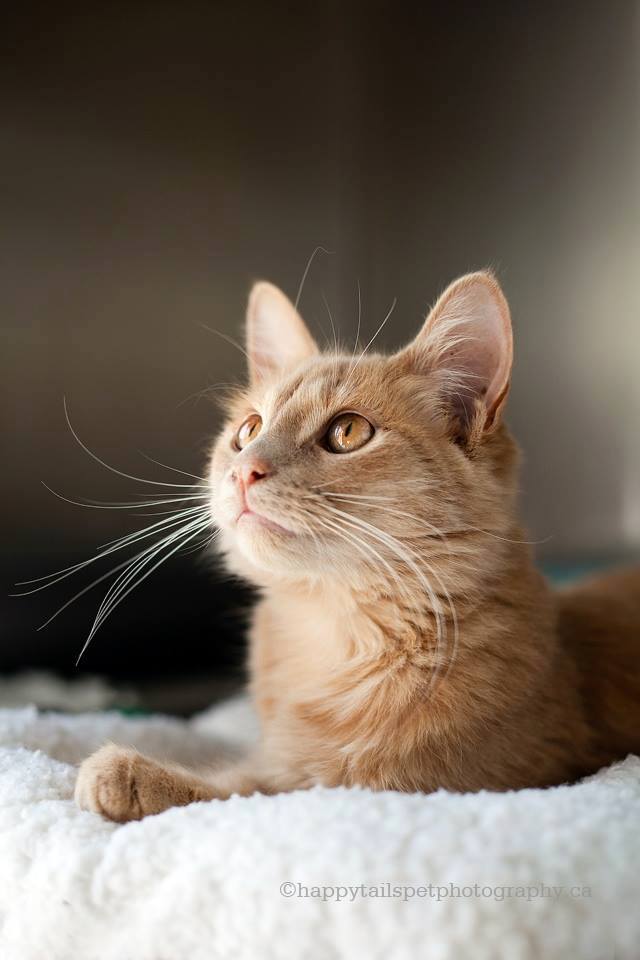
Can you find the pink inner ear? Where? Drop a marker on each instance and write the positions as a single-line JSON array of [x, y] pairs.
[[277, 338], [468, 338], [484, 356]]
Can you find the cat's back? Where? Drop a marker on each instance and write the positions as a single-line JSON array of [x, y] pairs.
[[603, 609], [599, 624]]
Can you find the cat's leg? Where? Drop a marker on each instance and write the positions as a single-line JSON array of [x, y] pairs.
[[122, 784]]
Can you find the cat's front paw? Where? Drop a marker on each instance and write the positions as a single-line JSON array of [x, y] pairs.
[[108, 783]]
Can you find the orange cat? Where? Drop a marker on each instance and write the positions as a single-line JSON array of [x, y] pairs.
[[404, 639]]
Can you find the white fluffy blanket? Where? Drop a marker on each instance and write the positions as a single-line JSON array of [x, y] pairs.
[[316, 875]]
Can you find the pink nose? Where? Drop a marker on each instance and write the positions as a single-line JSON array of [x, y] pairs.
[[252, 471]]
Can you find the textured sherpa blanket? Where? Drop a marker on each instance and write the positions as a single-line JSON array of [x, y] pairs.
[[323, 874]]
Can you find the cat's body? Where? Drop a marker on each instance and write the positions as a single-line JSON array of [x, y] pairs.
[[404, 639], [598, 624], [560, 705]]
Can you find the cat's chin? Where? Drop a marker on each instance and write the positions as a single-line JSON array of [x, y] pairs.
[[266, 553], [263, 542], [251, 523]]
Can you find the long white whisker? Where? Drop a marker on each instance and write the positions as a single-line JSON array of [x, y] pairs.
[[166, 466], [306, 271], [437, 534], [355, 497], [494, 536], [367, 551], [440, 632], [401, 553], [142, 558], [357, 340], [182, 536], [98, 622], [94, 583], [120, 473], [333, 328], [98, 505], [434, 532], [172, 519], [81, 593], [199, 394], [353, 367], [352, 496], [402, 588], [203, 544], [226, 337], [109, 548], [396, 483]]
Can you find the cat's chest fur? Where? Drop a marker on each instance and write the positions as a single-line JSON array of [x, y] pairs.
[[328, 675], [343, 688]]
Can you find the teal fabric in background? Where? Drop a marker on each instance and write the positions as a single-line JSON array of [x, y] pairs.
[[562, 573]]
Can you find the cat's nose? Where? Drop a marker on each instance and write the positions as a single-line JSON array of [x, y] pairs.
[[254, 470]]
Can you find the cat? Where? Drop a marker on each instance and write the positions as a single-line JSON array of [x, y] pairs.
[[404, 639]]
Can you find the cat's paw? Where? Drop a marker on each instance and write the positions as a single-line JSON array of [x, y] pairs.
[[109, 783], [122, 785]]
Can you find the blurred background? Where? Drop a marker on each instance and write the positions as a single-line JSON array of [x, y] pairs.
[[158, 157]]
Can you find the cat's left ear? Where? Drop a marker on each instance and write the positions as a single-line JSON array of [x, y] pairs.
[[277, 337], [466, 346]]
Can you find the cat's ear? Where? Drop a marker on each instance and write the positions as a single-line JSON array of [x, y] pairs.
[[277, 338], [466, 346]]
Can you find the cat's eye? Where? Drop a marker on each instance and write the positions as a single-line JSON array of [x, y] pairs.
[[248, 431], [348, 432]]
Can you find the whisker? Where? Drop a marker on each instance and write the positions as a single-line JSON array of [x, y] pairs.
[[185, 473], [120, 473], [177, 516], [81, 593], [333, 328], [93, 583], [353, 367], [225, 336], [366, 550], [352, 496], [434, 532], [143, 557], [199, 394], [365, 528], [107, 549], [203, 544], [372, 498], [119, 596], [306, 271], [98, 505], [494, 536], [401, 552], [154, 513], [357, 340], [177, 528], [396, 483]]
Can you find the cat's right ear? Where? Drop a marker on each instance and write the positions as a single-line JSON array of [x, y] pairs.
[[277, 338]]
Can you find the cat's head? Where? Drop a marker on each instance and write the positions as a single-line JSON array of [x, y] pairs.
[[350, 465]]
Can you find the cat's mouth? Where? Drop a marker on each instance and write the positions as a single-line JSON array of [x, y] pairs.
[[247, 516]]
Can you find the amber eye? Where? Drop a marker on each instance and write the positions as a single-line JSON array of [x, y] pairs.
[[348, 432], [248, 431]]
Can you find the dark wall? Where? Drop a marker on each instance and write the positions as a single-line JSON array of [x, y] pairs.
[[158, 157]]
